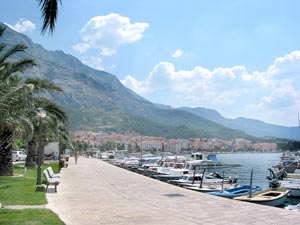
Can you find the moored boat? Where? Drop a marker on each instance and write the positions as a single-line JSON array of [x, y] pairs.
[[293, 185], [236, 191], [270, 197], [209, 187]]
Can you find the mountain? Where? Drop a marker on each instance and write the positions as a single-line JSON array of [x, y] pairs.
[[250, 126], [96, 100]]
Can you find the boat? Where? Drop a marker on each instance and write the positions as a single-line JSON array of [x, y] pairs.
[[293, 185], [210, 187], [170, 170], [195, 180], [289, 165], [281, 179], [210, 159], [187, 179], [270, 197], [236, 191], [293, 207]]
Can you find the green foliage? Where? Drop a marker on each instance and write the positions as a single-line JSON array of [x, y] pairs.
[[18, 144], [289, 145]]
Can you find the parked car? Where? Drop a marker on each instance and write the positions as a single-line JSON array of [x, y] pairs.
[[19, 156]]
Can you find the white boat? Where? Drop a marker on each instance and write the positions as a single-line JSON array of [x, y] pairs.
[[211, 187], [187, 179], [270, 197], [293, 185], [195, 180], [170, 170]]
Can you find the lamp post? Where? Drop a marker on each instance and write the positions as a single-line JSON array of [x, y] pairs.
[[141, 156], [41, 114]]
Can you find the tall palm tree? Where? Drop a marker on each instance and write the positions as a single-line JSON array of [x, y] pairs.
[[11, 100], [53, 123], [49, 10], [18, 100]]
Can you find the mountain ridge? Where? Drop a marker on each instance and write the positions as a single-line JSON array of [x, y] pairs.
[[98, 101], [252, 127]]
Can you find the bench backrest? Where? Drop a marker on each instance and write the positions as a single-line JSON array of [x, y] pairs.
[[50, 171], [46, 174]]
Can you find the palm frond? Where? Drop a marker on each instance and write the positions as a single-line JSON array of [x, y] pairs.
[[11, 51], [49, 12], [42, 85], [20, 66], [2, 29]]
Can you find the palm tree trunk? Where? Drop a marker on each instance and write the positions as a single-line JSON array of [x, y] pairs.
[[61, 147], [6, 160], [31, 155]]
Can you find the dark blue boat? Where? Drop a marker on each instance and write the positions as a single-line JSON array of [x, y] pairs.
[[235, 192]]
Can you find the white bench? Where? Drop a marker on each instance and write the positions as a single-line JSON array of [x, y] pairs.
[[51, 181], [52, 174]]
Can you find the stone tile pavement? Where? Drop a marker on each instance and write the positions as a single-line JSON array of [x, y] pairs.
[[95, 192]]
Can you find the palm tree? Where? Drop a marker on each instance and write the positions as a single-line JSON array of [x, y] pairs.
[[53, 124], [49, 12], [10, 101], [19, 101]]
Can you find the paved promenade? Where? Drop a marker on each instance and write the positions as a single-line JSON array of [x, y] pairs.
[[95, 192]]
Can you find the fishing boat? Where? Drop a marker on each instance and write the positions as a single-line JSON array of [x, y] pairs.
[[270, 197], [236, 191]]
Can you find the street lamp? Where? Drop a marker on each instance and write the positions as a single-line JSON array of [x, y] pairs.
[[41, 114]]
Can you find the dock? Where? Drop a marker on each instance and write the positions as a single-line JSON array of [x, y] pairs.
[[96, 192]]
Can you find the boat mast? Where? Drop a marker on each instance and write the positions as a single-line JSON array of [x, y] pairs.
[[250, 193]]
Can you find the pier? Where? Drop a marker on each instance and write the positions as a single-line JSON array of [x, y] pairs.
[[96, 192]]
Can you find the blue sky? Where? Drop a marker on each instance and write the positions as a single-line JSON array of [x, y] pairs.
[[239, 57]]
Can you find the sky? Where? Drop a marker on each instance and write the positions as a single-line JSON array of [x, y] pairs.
[[239, 57]]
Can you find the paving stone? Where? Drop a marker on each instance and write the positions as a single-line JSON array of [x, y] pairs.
[[96, 192]]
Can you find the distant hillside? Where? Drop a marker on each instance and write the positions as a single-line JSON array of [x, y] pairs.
[[250, 126], [96, 100]]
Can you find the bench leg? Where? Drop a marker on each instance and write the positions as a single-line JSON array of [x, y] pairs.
[[55, 187], [47, 187]]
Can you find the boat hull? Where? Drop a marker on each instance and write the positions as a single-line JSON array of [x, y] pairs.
[[236, 192], [270, 197]]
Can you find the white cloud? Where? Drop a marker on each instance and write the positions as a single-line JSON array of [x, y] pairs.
[[94, 62], [107, 33], [23, 26], [81, 47], [281, 97], [271, 94], [107, 52], [135, 85], [178, 53]]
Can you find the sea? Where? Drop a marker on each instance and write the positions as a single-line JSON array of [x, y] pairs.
[[259, 163]]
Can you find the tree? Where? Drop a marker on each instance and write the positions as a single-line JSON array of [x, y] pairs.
[[49, 10], [19, 101], [54, 127]]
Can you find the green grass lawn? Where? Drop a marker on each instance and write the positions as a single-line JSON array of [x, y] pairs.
[[21, 189], [29, 217]]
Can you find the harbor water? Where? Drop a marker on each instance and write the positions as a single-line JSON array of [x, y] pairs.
[[258, 162]]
